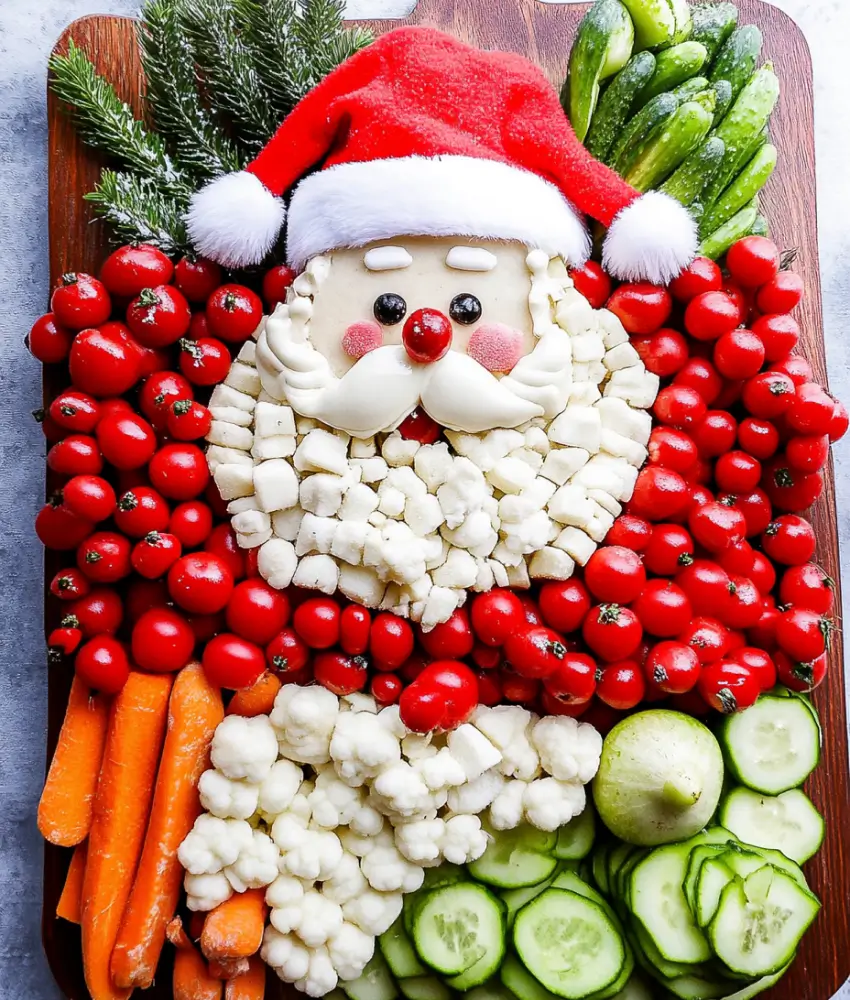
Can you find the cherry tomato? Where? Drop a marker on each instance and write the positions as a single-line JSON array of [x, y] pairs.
[[155, 554], [276, 282], [680, 406], [663, 352], [728, 687], [768, 395], [763, 633], [612, 632], [233, 313], [157, 394], [535, 651], [102, 664], [839, 423], [391, 641], [530, 610], [75, 455], [615, 573], [811, 410], [675, 668], [550, 705], [629, 531], [79, 301], [188, 420], [52, 431], [796, 368], [233, 663], [256, 611], [201, 583], [355, 624], [98, 612], [450, 640], [807, 587], [104, 557], [48, 341], [141, 510], [592, 282], [564, 604], [744, 607], [753, 261], [621, 685], [222, 543], [62, 642], [759, 662], [317, 621], [737, 472], [339, 672], [179, 471], [486, 657], [788, 489], [659, 494], [287, 652], [739, 354], [496, 615], [454, 688], [714, 434], [196, 277], [162, 641], [663, 608], [573, 680], [808, 453], [707, 586], [699, 495], [89, 497], [75, 411], [641, 308], [386, 689], [779, 335], [737, 558], [701, 275], [191, 523], [711, 314], [418, 426], [700, 374], [126, 440], [69, 584], [802, 677], [670, 548], [104, 362], [129, 269], [672, 449], [758, 438], [780, 294], [789, 540], [707, 636], [730, 394], [159, 316], [519, 690], [716, 526], [762, 574], [60, 529], [804, 635], [204, 361]]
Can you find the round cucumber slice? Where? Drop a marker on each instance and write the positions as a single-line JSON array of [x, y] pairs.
[[659, 778], [458, 925], [516, 858], [788, 822]]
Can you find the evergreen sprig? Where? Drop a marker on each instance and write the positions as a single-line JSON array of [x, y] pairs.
[[137, 210]]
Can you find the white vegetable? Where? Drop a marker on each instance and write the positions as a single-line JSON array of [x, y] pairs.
[[374, 912], [473, 797], [568, 749], [321, 918], [347, 881], [304, 719], [321, 976], [400, 788], [421, 842], [360, 748], [440, 769], [279, 788], [350, 950], [387, 870], [332, 801], [227, 798], [316, 857], [205, 892], [257, 864], [464, 840], [285, 954], [286, 890], [506, 808], [213, 843], [473, 751], [549, 803], [244, 747]]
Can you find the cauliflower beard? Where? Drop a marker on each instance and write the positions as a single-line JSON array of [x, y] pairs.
[[531, 469]]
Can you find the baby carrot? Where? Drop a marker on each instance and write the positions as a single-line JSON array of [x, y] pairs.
[[257, 699], [120, 818], [251, 985], [191, 979], [65, 810], [234, 929], [194, 710], [70, 902], [227, 968]]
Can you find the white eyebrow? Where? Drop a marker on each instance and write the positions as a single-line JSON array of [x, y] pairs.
[[470, 259], [387, 259]]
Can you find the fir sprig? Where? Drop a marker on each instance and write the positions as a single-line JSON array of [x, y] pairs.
[[138, 211]]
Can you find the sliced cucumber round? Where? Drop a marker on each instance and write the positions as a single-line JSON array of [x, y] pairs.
[[374, 983], [575, 840], [788, 822], [516, 858], [457, 926]]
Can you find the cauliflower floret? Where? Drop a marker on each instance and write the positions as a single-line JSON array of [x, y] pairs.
[[285, 954], [440, 770], [244, 747], [373, 912], [417, 746], [508, 727], [464, 840], [356, 844], [347, 880], [473, 751], [357, 701], [474, 797], [367, 821], [321, 918], [421, 842], [285, 891], [304, 720], [316, 858], [288, 832], [506, 808], [401, 789], [350, 950], [205, 892], [390, 719], [227, 798], [257, 864], [387, 870], [279, 788], [568, 749], [321, 976], [299, 807], [213, 844], [360, 747], [332, 801], [549, 803]]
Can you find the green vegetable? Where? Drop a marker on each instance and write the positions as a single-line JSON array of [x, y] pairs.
[[682, 134], [659, 23], [673, 66], [602, 48], [713, 24], [737, 59], [723, 94], [742, 190], [617, 103], [690, 88], [688, 182], [640, 129], [760, 227], [717, 243]]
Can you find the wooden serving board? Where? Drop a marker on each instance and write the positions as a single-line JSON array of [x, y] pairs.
[[542, 32]]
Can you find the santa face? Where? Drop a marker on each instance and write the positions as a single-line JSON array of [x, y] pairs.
[[541, 399]]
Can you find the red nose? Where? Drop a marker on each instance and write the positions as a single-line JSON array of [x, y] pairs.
[[427, 335]]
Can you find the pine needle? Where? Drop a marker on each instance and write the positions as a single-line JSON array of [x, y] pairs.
[[137, 211]]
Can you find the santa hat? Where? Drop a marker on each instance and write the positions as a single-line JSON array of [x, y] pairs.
[[420, 134]]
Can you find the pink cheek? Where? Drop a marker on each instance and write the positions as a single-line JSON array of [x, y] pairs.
[[495, 346], [362, 337]]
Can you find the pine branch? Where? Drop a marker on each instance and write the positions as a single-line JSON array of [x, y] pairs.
[[137, 211], [266, 31], [107, 123], [172, 95]]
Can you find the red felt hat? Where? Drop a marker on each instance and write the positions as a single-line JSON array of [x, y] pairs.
[[420, 134]]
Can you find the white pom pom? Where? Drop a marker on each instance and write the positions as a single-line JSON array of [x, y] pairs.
[[235, 220], [653, 239]]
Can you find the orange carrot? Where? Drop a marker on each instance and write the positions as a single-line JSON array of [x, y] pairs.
[[251, 985], [194, 710], [227, 968], [65, 810], [70, 902], [257, 699], [192, 979], [196, 925], [120, 818], [234, 929]]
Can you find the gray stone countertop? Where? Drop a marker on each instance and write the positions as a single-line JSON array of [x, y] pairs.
[[28, 29]]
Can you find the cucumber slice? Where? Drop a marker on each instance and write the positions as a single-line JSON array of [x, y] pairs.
[[515, 899], [760, 921], [753, 990], [569, 943], [456, 926], [788, 822], [773, 746], [575, 840], [780, 861], [484, 968], [713, 878], [398, 950], [635, 989], [520, 981], [424, 988], [599, 867], [668, 970], [516, 858], [694, 987], [375, 983], [696, 858]]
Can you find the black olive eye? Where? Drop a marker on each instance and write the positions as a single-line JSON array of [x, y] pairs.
[[465, 308], [389, 309]]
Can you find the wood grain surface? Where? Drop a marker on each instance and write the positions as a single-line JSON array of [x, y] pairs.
[[543, 32]]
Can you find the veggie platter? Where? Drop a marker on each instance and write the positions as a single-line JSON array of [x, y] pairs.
[[329, 702]]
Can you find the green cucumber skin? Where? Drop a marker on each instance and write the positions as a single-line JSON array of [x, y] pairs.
[[688, 90], [723, 93], [743, 188], [713, 24], [602, 48], [682, 135], [640, 129], [673, 67], [617, 103], [760, 227], [659, 23], [717, 243], [688, 182], [737, 59]]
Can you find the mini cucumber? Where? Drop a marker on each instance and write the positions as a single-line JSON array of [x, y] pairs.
[[673, 67], [640, 130], [617, 103], [690, 88], [688, 182], [683, 133], [712, 25], [723, 92], [737, 59], [742, 190], [717, 243], [602, 48], [760, 227], [733, 165], [659, 23]]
